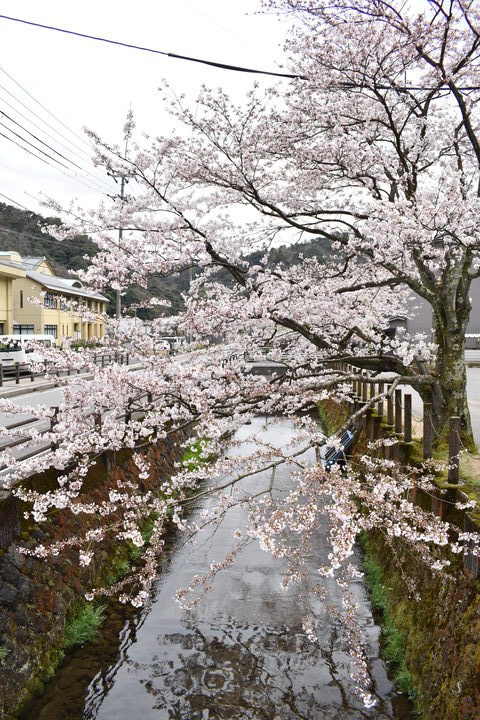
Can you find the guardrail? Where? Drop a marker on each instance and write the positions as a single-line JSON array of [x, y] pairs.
[[18, 371], [338, 456]]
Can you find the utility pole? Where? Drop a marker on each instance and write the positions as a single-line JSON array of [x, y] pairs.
[[118, 292], [123, 181]]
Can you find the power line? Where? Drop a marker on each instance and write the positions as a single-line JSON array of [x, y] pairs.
[[29, 109], [222, 66], [226, 66], [14, 202], [398, 88], [41, 129], [90, 179], [20, 137], [70, 149], [22, 234], [42, 120], [57, 152], [79, 137], [50, 164], [225, 29], [99, 188], [33, 180], [39, 139]]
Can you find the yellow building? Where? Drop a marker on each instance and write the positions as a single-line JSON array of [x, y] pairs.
[[61, 307], [8, 275]]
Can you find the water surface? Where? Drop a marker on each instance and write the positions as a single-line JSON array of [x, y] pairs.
[[241, 654]]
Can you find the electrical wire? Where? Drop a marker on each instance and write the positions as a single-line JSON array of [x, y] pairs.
[[87, 172], [39, 139], [79, 179], [225, 66], [22, 234], [73, 147], [41, 119], [70, 149], [20, 137], [14, 202], [225, 29], [89, 179], [28, 177], [79, 137], [222, 66], [50, 164]]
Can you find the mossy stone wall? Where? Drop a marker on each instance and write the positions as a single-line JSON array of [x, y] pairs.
[[441, 630], [38, 596]]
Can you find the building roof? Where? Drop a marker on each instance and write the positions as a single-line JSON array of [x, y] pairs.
[[32, 263], [6, 270], [52, 282], [68, 286]]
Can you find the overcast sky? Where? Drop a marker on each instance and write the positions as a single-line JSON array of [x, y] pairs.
[[86, 83]]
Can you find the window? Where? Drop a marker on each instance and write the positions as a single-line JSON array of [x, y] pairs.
[[21, 299], [23, 329], [50, 330], [50, 301], [9, 346]]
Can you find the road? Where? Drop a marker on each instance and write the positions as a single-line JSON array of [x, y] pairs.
[[54, 396], [50, 398]]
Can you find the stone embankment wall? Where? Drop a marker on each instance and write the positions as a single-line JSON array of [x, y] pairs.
[[38, 596], [441, 630]]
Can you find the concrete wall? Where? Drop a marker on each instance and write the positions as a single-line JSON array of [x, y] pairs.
[[29, 314], [7, 277], [437, 614], [6, 304], [422, 319]]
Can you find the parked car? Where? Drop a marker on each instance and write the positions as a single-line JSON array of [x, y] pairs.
[[14, 348], [175, 342]]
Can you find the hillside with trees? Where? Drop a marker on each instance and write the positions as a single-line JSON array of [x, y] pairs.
[[26, 232]]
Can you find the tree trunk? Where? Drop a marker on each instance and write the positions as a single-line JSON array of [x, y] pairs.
[[448, 394]]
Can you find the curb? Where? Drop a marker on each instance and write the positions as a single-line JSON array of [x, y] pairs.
[[15, 392]]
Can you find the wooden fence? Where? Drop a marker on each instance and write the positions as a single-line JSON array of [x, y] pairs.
[[391, 417]]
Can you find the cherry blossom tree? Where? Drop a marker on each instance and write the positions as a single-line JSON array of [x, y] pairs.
[[373, 152], [384, 127]]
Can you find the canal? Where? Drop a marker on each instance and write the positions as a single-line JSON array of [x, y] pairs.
[[240, 654]]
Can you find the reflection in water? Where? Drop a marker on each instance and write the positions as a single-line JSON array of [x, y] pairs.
[[229, 671], [241, 654]]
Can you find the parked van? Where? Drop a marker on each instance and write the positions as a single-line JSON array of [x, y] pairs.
[[13, 348]]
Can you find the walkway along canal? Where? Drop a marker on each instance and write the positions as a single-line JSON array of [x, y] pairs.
[[240, 654]]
